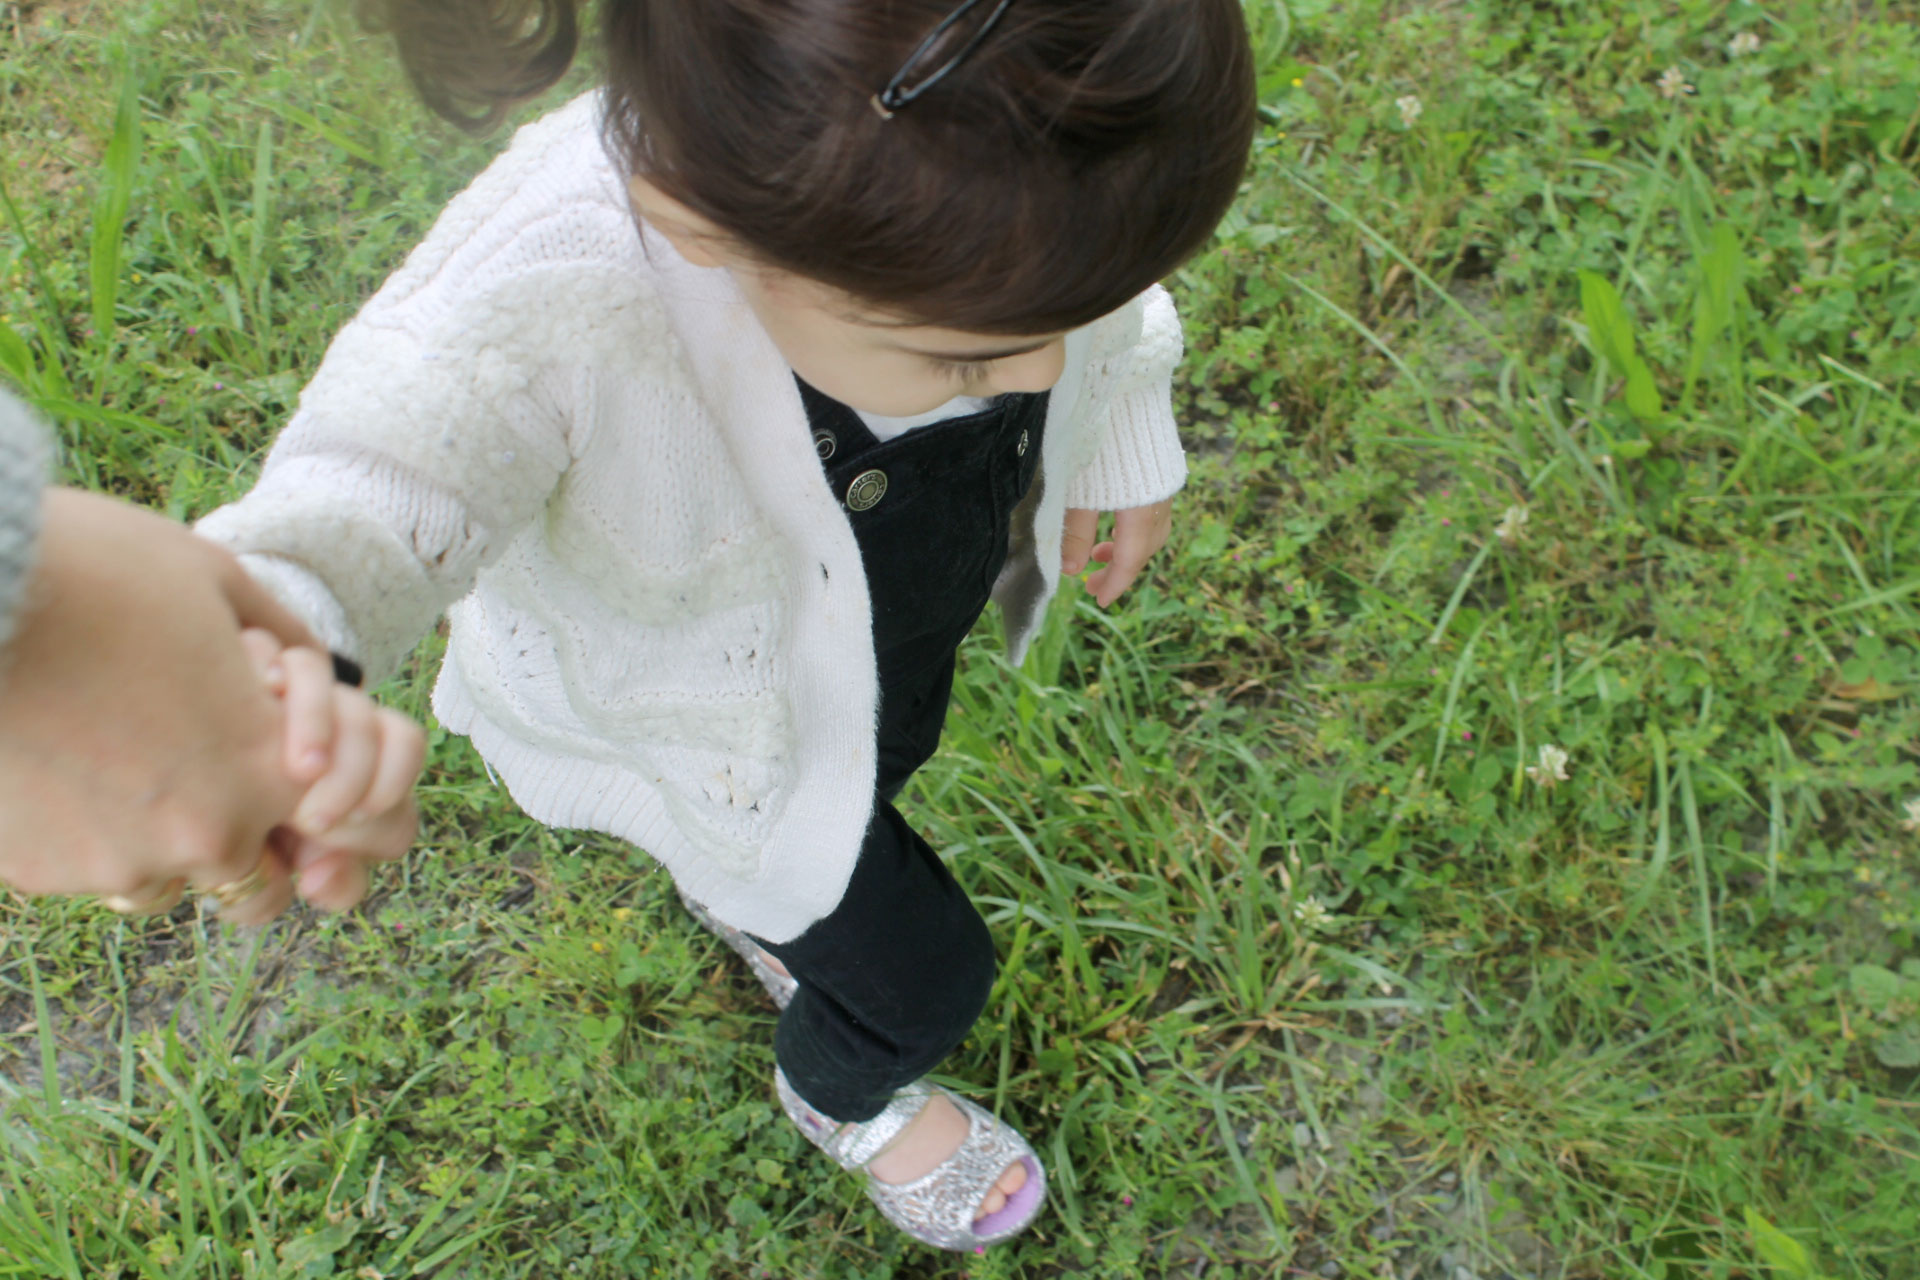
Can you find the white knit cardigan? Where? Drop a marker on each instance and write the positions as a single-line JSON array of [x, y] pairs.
[[589, 454]]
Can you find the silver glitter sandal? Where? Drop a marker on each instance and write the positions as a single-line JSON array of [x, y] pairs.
[[938, 1208], [779, 985]]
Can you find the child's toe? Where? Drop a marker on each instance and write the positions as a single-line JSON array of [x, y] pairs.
[[998, 1194]]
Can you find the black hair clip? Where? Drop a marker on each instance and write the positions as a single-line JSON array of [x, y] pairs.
[[899, 92]]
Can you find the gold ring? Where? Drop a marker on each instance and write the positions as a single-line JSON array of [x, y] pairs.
[[163, 899], [235, 892]]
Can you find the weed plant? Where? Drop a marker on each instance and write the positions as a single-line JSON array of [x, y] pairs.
[[1484, 844]]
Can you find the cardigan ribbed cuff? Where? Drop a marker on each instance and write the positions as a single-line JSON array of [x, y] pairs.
[[24, 455], [1140, 461]]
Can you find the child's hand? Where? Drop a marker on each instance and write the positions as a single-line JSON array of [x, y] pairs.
[[1138, 532], [360, 808]]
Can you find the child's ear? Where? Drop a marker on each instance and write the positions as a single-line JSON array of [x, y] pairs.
[[692, 236]]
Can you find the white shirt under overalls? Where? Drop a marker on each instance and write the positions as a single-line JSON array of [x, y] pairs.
[[588, 454]]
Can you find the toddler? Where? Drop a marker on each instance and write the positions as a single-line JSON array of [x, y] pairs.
[[714, 412]]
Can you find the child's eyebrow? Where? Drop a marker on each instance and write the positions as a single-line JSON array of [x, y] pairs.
[[973, 357]]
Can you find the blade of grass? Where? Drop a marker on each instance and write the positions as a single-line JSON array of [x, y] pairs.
[[261, 230], [49, 318], [1461, 666], [111, 203], [1661, 800], [1697, 849]]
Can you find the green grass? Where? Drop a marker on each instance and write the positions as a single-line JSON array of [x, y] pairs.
[[1303, 972]]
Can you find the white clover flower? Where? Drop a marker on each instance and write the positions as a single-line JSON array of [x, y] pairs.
[[1410, 109], [1743, 44], [1673, 83], [1312, 914], [1552, 768], [1912, 821], [1513, 523]]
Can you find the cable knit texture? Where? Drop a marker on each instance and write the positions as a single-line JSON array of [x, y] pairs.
[[23, 474], [589, 454]]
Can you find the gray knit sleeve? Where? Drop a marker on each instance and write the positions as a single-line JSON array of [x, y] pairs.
[[23, 474]]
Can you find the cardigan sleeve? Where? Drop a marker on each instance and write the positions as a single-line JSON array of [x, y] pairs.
[[432, 435], [23, 474], [1139, 459]]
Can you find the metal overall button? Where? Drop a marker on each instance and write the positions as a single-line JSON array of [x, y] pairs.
[[1020, 449], [824, 444], [866, 490]]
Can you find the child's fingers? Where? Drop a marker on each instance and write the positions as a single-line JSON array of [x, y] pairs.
[[356, 758], [309, 698], [263, 648], [403, 750], [1138, 532], [1076, 538], [383, 837], [1123, 566]]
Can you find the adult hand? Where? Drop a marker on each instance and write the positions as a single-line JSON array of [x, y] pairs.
[[1138, 532], [138, 745]]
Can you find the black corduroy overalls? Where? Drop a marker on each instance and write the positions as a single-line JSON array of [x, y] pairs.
[[893, 978]]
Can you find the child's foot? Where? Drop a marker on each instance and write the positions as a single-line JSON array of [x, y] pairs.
[[930, 1138], [941, 1169], [773, 975]]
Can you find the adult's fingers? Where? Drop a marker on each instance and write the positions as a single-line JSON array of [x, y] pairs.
[[147, 899], [1076, 539], [274, 894], [337, 881], [251, 603]]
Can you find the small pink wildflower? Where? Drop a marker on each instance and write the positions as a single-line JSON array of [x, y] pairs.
[[1466, 735], [1798, 289], [1792, 576], [1127, 1201], [192, 329], [219, 386], [1445, 521]]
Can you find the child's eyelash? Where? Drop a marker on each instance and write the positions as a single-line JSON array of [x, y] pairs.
[[963, 370]]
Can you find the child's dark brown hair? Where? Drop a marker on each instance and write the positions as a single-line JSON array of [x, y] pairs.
[[1083, 150]]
